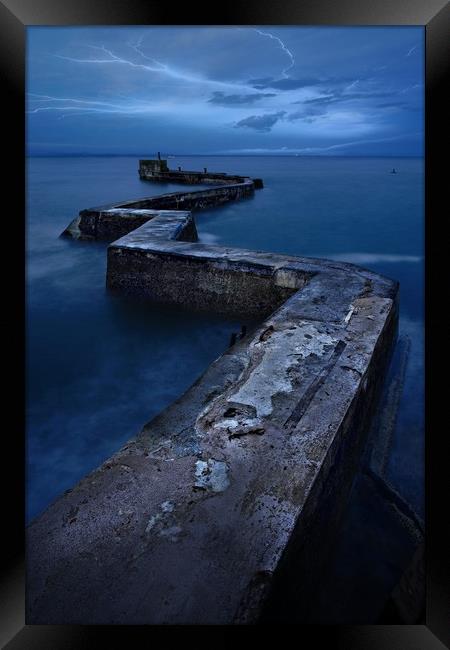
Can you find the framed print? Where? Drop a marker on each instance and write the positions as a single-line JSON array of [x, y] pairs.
[[226, 233]]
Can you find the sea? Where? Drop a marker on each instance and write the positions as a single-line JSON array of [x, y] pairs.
[[99, 366]]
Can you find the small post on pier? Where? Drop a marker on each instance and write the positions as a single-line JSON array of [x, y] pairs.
[[179, 169], [159, 155], [204, 169], [233, 339]]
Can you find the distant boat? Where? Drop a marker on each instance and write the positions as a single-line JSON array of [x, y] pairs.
[[394, 171]]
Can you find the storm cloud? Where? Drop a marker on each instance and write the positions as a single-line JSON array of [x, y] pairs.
[[222, 99], [262, 123], [288, 84], [307, 114], [140, 89]]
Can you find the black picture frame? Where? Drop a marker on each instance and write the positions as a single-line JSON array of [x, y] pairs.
[[15, 16]]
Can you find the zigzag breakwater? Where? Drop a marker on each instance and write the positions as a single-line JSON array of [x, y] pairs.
[[224, 508], [115, 220]]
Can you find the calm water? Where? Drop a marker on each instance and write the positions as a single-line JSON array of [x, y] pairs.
[[99, 366]]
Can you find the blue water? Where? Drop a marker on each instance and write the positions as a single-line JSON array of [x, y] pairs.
[[99, 366]]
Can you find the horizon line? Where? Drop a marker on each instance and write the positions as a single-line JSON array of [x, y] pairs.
[[216, 155]]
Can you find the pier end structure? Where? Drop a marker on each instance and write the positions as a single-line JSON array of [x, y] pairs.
[[224, 508], [151, 170]]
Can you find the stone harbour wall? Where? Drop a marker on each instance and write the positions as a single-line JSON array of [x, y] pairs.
[[224, 508], [199, 276], [112, 221]]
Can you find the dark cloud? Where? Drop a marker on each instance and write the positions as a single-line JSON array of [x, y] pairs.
[[326, 99], [287, 84], [340, 96], [262, 80], [237, 100], [367, 95], [312, 109], [262, 123], [393, 105], [308, 114]]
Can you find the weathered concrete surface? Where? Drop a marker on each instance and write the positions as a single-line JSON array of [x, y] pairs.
[[223, 279], [200, 276], [240, 483]]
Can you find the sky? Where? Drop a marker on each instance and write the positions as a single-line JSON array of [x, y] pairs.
[[262, 90]]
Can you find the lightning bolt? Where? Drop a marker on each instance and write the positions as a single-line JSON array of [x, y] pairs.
[[283, 47], [153, 66], [137, 48], [352, 85], [113, 58], [84, 106], [141, 61]]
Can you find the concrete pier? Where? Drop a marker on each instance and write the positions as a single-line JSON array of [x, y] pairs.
[[225, 506], [109, 222], [157, 170]]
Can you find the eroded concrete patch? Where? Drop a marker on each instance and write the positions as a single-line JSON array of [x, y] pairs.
[[281, 352], [211, 475]]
